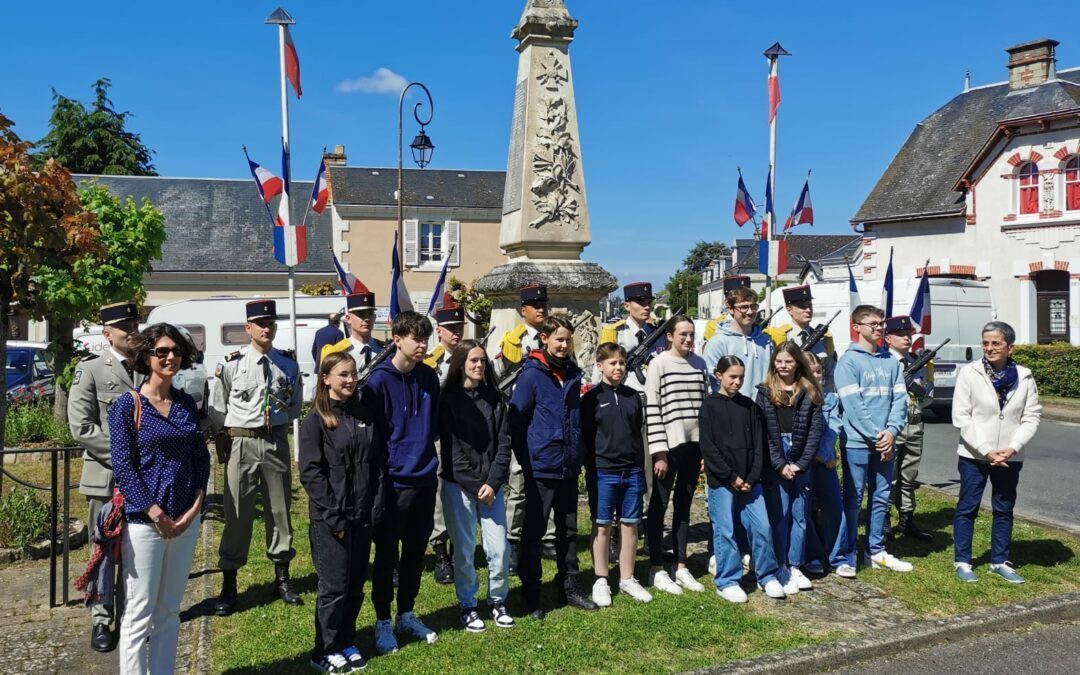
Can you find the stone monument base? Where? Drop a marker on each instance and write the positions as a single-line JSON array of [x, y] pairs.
[[574, 287]]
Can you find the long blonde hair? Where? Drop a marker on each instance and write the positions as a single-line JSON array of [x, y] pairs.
[[322, 390], [804, 379]]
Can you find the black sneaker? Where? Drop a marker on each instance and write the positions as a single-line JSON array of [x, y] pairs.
[[332, 663], [471, 620], [502, 616], [355, 658]]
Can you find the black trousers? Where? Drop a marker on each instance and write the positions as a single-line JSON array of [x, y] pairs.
[[341, 565], [407, 522], [556, 499], [684, 467]]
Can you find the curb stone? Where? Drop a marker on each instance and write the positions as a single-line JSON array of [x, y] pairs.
[[914, 635], [203, 631]]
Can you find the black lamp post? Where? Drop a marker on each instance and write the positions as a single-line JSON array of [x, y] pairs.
[[422, 147]]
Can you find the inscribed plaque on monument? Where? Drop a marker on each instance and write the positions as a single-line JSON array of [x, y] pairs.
[[515, 162]]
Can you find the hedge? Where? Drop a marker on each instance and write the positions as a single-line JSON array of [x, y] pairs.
[[1056, 367]]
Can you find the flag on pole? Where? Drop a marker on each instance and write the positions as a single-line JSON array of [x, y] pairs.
[[803, 211], [887, 289], [290, 241], [774, 89], [772, 257], [292, 63], [399, 295], [853, 301], [437, 296], [745, 208], [320, 193], [920, 308], [270, 185], [346, 280], [770, 217]]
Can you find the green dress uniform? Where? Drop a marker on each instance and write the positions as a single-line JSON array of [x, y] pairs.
[[97, 382]]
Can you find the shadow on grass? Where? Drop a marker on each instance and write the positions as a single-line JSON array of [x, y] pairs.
[[1036, 553]]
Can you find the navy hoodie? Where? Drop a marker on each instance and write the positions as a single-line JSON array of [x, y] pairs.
[[406, 409], [545, 419]]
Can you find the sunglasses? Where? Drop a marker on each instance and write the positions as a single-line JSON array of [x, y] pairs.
[[163, 352]]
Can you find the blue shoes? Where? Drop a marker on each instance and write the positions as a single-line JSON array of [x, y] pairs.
[[964, 573], [1006, 572]]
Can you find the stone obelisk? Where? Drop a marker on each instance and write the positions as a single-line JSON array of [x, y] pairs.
[[545, 221]]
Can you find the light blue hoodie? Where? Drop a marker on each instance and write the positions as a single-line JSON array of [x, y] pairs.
[[754, 349], [830, 410], [871, 387]]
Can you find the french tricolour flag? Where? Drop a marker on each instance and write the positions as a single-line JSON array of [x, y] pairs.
[[772, 257], [270, 185], [887, 289], [321, 192], [853, 301], [399, 295], [346, 280], [292, 63], [290, 241], [437, 296], [920, 308], [745, 208], [803, 211], [774, 90]]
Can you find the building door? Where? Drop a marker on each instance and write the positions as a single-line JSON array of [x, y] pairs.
[[1052, 292]]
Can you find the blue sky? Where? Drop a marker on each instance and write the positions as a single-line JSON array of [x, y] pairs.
[[671, 96]]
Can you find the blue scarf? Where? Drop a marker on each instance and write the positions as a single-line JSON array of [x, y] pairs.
[[1003, 380]]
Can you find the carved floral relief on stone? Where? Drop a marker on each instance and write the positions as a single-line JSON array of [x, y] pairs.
[[555, 162]]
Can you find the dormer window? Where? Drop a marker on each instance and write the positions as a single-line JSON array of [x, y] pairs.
[[1072, 184], [1029, 188]]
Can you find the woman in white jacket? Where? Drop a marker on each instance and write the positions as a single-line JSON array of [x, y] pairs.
[[996, 407]]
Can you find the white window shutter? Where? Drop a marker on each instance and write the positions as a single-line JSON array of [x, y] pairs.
[[411, 243], [452, 241]]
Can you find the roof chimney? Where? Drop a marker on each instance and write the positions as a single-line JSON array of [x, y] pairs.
[[335, 158], [1031, 63]]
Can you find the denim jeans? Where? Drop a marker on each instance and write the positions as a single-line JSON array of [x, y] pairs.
[[341, 566], [726, 506], [825, 492], [463, 512], [1003, 482], [790, 535], [619, 492], [864, 471]]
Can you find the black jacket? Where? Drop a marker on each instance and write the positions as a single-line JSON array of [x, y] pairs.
[[474, 438], [342, 469], [806, 429], [611, 425], [732, 434]]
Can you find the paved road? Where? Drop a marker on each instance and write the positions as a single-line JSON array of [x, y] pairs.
[[1036, 649], [1047, 483]]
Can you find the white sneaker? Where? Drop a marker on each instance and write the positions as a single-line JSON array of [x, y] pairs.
[[791, 587], [411, 624], [799, 578], [712, 566], [684, 578], [663, 582], [634, 589], [846, 571], [601, 593], [887, 561], [385, 642], [733, 593], [774, 590]]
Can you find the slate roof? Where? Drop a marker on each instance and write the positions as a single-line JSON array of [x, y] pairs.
[[919, 182], [221, 225], [809, 246], [375, 186]]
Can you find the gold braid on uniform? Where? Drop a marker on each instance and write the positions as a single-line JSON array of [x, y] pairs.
[[343, 345], [432, 359], [510, 347], [610, 332]]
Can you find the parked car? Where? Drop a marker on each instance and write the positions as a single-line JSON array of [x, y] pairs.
[[29, 372]]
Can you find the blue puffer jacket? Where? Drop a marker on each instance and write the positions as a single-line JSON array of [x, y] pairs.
[[545, 420]]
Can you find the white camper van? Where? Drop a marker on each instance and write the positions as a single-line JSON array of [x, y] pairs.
[[217, 326], [959, 310]]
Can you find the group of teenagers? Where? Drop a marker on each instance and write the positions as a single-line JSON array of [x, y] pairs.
[[767, 421]]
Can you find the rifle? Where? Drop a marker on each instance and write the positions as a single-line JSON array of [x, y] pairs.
[[384, 353], [508, 380], [640, 355], [819, 332], [762, 321], [483, 343], [916, 365]]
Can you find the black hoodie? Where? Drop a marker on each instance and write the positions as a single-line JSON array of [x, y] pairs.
[[474, 438], [733, 439]]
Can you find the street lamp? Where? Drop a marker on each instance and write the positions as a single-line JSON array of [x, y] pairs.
[[422, 147]]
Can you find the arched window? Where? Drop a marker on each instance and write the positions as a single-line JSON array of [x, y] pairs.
[[1029, 188], [1072, 184]]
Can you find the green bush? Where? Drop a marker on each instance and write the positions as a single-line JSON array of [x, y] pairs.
[[24, 518], [33, 422], [1056, 367]]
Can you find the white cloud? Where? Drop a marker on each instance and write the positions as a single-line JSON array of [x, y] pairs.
[[382, 81]]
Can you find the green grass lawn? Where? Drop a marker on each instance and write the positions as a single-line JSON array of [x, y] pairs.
[[669, 634]]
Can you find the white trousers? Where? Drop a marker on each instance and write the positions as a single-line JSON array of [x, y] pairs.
[[155, 575]]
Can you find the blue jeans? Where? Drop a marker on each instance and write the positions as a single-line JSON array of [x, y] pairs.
[[726, 507], [1003, 482], [462, 513], [619, 492], [825, 492], [795, 505], [864, 471]]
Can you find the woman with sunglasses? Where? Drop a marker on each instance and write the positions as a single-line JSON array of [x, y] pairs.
[[161, 464]]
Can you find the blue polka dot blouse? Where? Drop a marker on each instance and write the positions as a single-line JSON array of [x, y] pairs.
[[166, 464]]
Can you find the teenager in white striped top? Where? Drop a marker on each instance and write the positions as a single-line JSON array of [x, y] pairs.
[[674, 390]]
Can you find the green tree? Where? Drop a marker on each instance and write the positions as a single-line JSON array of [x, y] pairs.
[[703, 253], [682, 291], [42, 225], [319, 288], [93, 139]]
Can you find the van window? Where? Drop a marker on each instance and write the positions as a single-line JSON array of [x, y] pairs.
[[198, 334], [234, 334]]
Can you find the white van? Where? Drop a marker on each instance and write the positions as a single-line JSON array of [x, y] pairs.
[[217, 326], [959, 310]]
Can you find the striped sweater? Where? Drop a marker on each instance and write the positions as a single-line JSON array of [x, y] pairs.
[[674, 389]]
